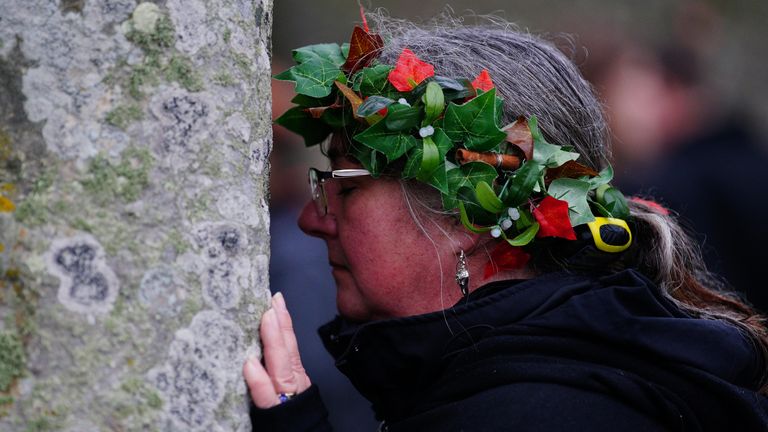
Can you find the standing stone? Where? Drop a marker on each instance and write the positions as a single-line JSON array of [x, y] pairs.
[[134, 244]]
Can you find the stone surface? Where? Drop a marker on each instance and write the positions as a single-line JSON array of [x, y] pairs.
[[134, 249]]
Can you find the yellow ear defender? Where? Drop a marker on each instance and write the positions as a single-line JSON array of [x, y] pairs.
[[610, 234]]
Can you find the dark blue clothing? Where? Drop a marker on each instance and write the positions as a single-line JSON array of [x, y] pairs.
[[561, 352]]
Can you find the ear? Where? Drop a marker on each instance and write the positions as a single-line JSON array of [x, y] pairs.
[[468, 241]]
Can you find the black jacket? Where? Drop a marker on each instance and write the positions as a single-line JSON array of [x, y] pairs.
[[556, 353]]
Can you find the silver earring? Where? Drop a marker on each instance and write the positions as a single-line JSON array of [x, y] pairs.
[[462, 274]]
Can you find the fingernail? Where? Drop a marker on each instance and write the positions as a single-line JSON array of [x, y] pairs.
[[278, 301]]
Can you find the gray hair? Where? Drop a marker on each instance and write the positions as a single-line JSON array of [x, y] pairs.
[[534, 77]]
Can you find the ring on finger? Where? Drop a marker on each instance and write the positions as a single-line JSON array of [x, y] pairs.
[[285, 397]]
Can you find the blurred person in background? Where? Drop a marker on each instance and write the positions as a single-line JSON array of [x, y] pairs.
[[299, 269], [675, 138]]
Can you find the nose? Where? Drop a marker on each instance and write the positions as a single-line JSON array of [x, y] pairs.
[[313, 224]]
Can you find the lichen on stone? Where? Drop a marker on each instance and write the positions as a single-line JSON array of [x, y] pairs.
[[12, 359], [123, 115], [125, 179]]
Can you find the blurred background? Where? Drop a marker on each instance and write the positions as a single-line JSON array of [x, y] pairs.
[[684, 84]]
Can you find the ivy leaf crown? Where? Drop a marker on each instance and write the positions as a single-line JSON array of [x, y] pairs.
[[444, 131]]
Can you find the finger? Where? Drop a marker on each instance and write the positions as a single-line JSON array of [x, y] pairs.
[[276, 356], [259, 384], [291, 344]]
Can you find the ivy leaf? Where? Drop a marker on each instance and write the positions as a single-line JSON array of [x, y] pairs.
[[574, 192], [526, 236], [310, 102], [474, 123], [372, 105], [392, 144], [487, 198], [604, 177], [522, 184], [326, 53], [372, 160], [402, 117], [552, 215], [470, 174], [373, 80], [363, 48], [315, 78], [298, 121], [547, 154]]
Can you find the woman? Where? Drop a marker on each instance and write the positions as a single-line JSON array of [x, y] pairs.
[[488, 279]]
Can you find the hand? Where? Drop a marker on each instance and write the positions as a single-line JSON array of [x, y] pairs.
[[284, 372]]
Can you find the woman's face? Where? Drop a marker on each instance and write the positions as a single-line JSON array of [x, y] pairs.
[[384, 265]]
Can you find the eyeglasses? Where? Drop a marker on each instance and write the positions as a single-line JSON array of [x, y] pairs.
[[317, 178]]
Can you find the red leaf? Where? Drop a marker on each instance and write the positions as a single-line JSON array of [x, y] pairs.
[[483, 81], [363, 48], [552, 215], [505, 257], [409, 71]]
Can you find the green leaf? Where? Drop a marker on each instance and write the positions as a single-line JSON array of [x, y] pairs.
[[575, 193], [372, 160], [327, 52], [300, 122], [402, 117], [372, 105], [430, 159], [315, 78], [604, 177], [446, 83], [470, 174], [523, 182], [615, 202], [337, 118], [391, 143], [487, 198], [474, 123], [467, 223], [454, 92], [373, 80], [286, 75], [550, 155], [526, 236], [444, 145], [475, 212], [434, 102], [311, 102], [526, 220]]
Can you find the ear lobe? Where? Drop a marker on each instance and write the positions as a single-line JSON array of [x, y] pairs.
[[468, 242]]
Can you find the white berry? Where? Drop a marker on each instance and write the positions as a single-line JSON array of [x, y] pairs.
[[496, 232], [514, 214], [426, 131], [506, 224], [402, 101]]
